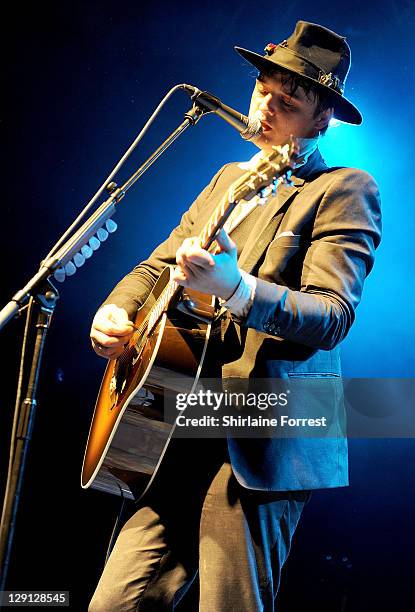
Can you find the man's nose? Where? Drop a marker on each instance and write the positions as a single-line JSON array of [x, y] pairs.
[[266, 104]]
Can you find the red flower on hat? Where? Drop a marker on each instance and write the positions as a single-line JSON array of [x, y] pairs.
[[270, 48]]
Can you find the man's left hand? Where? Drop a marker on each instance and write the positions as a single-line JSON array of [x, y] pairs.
[[216, 274]]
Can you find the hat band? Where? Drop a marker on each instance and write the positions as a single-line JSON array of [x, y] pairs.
[[289, 59]]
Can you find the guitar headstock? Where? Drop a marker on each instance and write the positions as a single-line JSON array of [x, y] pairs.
[[284, 156], [260, 180], [272, 169]]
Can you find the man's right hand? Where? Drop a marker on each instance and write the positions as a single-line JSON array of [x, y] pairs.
[[111, 329]]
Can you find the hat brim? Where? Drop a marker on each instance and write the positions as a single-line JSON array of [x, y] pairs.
[[344, 110]]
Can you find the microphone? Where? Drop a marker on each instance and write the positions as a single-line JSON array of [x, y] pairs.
[[247, 128]]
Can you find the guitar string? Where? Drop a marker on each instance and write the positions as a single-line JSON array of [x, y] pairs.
[[205, 235], [128, 351]]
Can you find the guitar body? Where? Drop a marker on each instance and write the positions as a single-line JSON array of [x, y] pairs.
[[128, 434]]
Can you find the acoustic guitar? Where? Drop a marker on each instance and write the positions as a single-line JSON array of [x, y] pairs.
[[129, 435]]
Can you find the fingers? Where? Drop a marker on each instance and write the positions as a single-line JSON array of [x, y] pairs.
[[113, 321], [203, 270], [225, 243], [110, 331], [107, 346], [190, 254], [113, 330], [107, 353], [192, 260], [104, 346], [109, 341], [186, 275]]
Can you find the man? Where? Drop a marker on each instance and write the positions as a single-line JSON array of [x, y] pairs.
[[290, 277]]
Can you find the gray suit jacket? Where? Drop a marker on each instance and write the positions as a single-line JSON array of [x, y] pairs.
[[311, 248]]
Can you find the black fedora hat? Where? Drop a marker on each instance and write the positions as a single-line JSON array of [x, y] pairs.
[[317, 54]]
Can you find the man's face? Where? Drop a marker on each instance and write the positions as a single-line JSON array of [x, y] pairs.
[[282, 114]]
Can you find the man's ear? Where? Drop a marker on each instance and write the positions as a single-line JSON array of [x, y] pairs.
[[323, 118]]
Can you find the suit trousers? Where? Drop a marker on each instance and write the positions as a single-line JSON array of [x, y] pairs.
[[197, 521]]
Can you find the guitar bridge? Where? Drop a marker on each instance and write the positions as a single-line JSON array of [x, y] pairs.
[[196, 308]]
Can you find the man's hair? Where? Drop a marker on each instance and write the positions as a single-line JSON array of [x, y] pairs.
[[313, 92]]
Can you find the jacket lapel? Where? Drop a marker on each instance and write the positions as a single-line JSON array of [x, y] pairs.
[[267, 224]]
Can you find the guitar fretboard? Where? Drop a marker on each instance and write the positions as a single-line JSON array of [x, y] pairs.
[[268, 169]]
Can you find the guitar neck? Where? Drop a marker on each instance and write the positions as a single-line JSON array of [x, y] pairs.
[[273, 166], [244, 188], [172, 290]]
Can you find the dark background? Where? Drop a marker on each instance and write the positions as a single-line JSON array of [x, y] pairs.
[[79, 80]]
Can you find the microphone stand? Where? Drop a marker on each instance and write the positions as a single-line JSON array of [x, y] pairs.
[[45, 295]]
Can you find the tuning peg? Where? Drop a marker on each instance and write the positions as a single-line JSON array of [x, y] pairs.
[[274, 186], [267, 191], [102, 234], [287, 179], [111, 226]]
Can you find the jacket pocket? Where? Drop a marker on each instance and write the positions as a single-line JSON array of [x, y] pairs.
[[287, 242]]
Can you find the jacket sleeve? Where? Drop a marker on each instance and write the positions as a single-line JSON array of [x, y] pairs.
[[345, 234], [131, 292]]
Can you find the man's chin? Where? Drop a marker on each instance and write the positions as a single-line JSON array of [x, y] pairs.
[[266, 143]]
